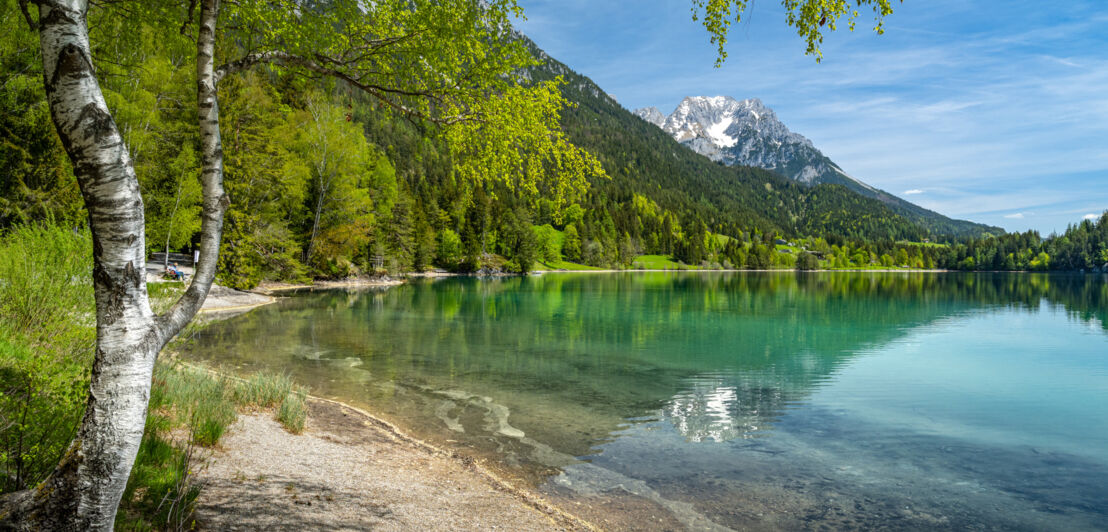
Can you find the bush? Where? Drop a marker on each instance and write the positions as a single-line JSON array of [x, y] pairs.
[[47, 337], [807, 261], [46, 346], [42, 399]]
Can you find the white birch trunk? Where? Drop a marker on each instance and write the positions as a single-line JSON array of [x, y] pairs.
[[83, 493], [169, 230]]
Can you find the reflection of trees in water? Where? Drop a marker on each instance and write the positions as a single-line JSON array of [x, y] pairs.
[[579, 354]]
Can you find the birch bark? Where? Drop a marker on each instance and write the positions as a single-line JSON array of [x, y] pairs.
[[84, 491]]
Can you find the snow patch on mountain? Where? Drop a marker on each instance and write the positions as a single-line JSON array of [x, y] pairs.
[[746, 132], [652, 115]]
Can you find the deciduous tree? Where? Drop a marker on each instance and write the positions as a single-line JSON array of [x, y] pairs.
[[464, 76]]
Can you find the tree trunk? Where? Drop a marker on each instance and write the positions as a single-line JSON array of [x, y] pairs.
[[84, 491], [324, 183], [169, 230]]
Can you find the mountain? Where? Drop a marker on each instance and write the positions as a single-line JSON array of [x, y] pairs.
[[643, 160], [747, 133]]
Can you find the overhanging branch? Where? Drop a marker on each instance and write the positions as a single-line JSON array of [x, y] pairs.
[[317, 66]]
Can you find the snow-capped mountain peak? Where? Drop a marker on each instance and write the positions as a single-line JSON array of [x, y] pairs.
[[744, 132], [652, 115]]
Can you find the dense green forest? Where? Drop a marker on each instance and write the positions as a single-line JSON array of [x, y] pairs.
[[325, 183]]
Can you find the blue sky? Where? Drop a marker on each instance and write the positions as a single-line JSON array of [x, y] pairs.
[[993, 111]]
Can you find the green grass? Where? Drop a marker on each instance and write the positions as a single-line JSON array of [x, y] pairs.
[[163, 295], [659, 262], [293, 412], [161, 493], [263, 390]]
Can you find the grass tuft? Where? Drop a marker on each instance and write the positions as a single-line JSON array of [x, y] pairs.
[[293, 412], [263, 390]]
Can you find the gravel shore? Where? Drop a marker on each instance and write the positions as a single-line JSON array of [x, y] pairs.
[[349, 471]]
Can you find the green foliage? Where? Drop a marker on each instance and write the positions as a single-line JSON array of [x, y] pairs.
[[518, 142], [36, 183], [344, 170], [549, 242], [571, 246], [45, 268], [41, 401], [809, 17], [46, 345], [520, 244], [449, 253], [266, 182], [807, 261], [153, 101]]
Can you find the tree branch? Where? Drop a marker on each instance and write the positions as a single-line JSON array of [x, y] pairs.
[[27, 15], [379, 91], [188, 17]]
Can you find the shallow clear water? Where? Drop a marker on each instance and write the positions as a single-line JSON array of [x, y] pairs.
[[732, 400]]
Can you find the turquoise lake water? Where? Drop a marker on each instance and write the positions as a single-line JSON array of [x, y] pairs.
[[708, 401]]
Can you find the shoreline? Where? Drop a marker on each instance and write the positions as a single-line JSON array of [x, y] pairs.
[[333, 424], [779, 270], [391, 437], [334, 430], [226, 300]]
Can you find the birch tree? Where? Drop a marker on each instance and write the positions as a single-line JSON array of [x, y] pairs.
[[434, 61], [341, 162]]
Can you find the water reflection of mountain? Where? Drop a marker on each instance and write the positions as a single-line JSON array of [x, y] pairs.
[[714, 410], [570, 358]]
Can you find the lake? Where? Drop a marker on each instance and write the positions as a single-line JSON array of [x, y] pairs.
[[708, 401]]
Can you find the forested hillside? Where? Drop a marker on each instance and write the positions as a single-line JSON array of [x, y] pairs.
[[325, 181]]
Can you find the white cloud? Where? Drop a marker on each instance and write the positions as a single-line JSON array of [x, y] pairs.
[[1014, 216], [912, 192], [1092, 216]]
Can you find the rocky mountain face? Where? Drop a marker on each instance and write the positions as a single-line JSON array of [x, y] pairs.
[[747, 133]]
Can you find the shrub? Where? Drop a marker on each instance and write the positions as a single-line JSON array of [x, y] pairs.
[[46, 346], [807, 261]]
